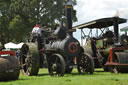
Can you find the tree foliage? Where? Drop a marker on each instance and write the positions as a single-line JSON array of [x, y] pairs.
[[17, 17]]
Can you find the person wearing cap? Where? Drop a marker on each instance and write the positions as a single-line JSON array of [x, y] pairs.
[[42, 28], [35, 33]]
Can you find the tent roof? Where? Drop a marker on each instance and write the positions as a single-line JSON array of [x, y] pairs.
[[124, 29], [13, 45]]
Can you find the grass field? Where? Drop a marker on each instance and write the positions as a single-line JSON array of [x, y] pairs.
[[98, 78]]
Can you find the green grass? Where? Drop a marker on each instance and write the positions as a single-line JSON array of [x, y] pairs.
[[98, 78]]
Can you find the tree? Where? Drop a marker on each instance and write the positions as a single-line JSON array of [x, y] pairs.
[[20, 16]]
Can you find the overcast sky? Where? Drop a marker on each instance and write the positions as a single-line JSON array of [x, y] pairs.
[[88, 10]]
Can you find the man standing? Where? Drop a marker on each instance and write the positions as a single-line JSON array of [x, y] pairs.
[[41, 36], [42, 28], [35, 33]]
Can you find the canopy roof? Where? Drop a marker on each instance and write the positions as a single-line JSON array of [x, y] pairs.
[[124, 29], [99, 23]]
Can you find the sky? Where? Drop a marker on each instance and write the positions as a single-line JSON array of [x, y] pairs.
[[88, 10]]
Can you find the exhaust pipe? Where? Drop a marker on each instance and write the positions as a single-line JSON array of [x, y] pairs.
[[116, 29], [68, 10]]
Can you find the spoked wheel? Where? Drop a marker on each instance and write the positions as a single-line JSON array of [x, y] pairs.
[[85, 64], [29, 59], [56, 65]]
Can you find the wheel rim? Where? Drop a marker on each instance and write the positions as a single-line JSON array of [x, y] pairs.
[[85, 64], [56, 65], [29, 60], [25, 60]]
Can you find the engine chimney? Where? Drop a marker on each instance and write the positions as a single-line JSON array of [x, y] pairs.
[[116, 29], [68, 8]]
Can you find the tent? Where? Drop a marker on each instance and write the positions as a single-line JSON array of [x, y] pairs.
[[20, 45], [13, 45], [10, 45]]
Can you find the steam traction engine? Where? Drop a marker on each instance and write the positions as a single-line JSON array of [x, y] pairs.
[[9, 67], [61, 50], [108, 49]]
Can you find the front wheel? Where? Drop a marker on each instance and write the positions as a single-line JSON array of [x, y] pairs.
[[56, 65], [85, 63]]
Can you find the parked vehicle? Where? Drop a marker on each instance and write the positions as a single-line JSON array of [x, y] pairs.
[[106, 48], [60, 49], [9, 67]]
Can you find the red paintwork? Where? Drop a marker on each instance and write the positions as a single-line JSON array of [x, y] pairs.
[[111, 52], [7, 52], [41, 50], [115, 64], [111, 63], [74, 50]]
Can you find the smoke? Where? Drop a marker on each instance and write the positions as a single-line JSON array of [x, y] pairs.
[[122, 12]]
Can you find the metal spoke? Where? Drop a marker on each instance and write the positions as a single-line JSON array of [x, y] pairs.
[[56, 65], [84, 64]]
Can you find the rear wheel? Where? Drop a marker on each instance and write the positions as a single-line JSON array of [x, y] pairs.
[[29, 60], [85, 63], [56, 65], [121, 59]]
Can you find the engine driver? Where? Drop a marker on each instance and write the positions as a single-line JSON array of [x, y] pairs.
[[41, 36], [35, 33]]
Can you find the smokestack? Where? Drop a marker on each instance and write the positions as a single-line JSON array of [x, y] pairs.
[[69, 16], [68, 10], [116, 28]]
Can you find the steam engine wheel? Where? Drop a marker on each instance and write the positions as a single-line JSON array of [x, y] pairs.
[[122, 63], [85, 64], [56, 65], [29, 60]]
